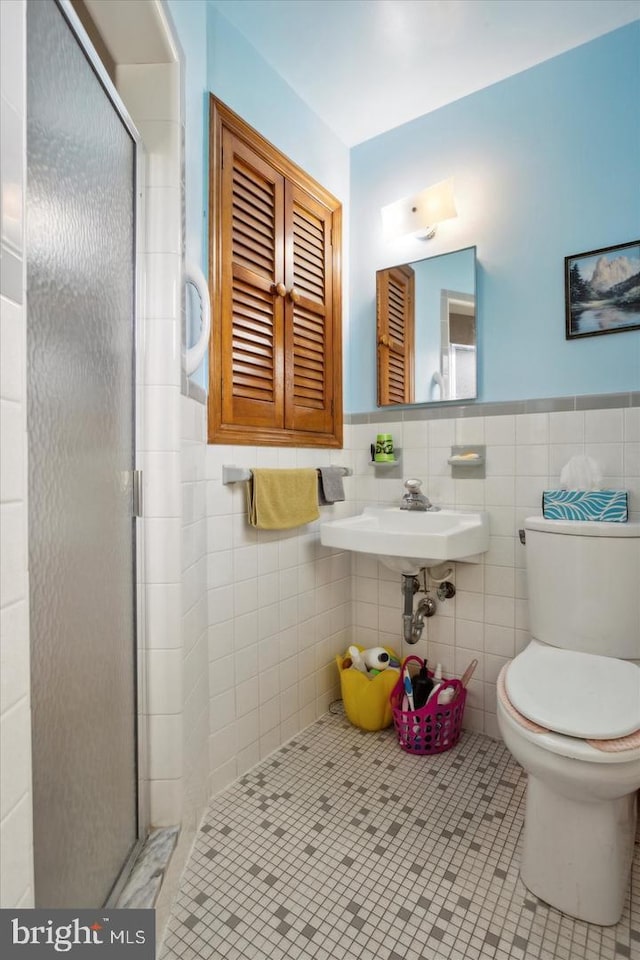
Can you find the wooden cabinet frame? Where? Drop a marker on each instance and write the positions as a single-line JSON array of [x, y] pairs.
[[306, 408]]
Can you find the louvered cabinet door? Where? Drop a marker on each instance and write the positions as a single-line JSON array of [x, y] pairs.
[[309, 327], [395, 334], [275, 371], [252, 290]]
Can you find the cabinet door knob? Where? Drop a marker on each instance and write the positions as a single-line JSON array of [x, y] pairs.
[[294, 295], [279, 289]]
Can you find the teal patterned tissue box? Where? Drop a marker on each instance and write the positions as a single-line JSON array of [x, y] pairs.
[[609, 505]]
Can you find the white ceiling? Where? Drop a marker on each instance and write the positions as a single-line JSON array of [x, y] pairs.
[[365, 66]]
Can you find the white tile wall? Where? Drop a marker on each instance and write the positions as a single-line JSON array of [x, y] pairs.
[[151, 93], [175, 486], [194, 612], [488, 618], [279, 609]]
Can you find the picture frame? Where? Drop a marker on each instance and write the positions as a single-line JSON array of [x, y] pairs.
[[602, 291]]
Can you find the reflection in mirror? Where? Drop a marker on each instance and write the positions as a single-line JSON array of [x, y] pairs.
[[426, 330]]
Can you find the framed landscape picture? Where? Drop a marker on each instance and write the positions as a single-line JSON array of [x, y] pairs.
[[602, 291]]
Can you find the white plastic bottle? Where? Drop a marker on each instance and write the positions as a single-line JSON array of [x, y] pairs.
[[356, 659], [376, 658]]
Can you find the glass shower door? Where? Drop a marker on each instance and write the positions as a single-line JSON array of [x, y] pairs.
[[80, 286]]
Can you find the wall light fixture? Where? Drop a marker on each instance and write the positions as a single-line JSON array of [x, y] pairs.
[[420, 214]]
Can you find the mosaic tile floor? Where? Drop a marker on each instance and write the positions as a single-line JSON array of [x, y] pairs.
[[340, 846]]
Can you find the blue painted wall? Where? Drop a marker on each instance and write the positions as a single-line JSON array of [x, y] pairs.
[[190, 21], [546, 164], [219, 59], [244, 81]]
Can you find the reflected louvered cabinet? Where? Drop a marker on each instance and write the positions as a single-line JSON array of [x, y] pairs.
[[275, 369], [395, 309]]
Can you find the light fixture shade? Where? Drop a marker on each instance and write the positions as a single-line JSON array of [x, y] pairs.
[[420, 213]]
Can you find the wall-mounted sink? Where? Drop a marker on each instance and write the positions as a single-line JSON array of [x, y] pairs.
[[406, 540]]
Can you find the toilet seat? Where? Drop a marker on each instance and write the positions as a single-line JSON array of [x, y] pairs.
[[575, 694], [592, 751]]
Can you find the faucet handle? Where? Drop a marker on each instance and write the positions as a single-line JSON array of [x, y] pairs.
[[413, 485]]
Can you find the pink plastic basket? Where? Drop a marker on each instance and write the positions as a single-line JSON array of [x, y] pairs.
[[433, 728]]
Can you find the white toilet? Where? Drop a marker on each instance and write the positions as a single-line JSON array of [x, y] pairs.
[[578, 681]]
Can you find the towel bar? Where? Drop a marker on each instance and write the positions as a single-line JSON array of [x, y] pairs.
[[232, 474]]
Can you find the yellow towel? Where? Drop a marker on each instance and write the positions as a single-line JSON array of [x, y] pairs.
[[281, 499]]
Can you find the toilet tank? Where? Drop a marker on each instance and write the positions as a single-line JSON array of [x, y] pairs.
[[583, 583]]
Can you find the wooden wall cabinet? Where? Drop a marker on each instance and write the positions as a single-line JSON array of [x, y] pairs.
[[274, 273]]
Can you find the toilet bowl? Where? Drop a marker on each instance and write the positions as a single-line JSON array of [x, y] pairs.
[[580, 820], [568, 709]]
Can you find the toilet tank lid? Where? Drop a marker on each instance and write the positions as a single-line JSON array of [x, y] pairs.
[[578, 694], [584, 528]]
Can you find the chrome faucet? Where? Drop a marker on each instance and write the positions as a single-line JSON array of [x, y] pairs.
[[413, 499]]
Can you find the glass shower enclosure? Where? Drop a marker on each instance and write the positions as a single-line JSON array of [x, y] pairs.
[[81, 200]]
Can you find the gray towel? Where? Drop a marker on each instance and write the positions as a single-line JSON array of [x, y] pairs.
[[330, 485]]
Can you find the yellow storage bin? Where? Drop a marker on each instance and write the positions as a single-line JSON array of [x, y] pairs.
[[366, 699]]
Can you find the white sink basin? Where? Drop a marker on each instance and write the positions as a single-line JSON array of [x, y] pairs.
[[406, 540]]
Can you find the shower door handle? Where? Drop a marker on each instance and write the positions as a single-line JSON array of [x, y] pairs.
[[136, 489], [194, 355]]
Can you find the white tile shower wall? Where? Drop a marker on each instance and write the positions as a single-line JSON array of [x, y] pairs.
[[151, 93], [16, 870], [279, 609], [174, 485], [488, 618], [175, 490]]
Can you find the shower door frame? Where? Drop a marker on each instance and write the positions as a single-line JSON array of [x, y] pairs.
[[140, 731]]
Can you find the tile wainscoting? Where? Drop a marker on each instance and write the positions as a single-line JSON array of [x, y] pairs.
[[280, 606], [527, 444], [279, 609]]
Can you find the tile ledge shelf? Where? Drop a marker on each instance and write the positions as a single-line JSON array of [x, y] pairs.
[[493, 408]]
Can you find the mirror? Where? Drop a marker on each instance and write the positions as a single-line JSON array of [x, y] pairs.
[[426, 330]]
